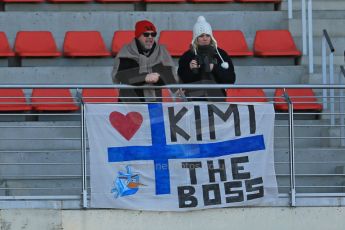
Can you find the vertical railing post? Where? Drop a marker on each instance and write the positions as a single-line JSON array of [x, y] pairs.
[[327, 40], [342, 117], [290, 9], [342, 106], [83, 156], [304, 28], [324, 73], [331, 92], [310, 36], [291, 150]]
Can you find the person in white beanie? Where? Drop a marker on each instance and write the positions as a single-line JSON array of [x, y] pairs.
[[205, 63]]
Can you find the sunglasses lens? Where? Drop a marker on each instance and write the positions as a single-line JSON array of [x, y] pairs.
[[146, 34]]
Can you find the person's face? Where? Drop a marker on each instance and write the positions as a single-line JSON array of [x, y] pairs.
[[204, 39], [147, 39]]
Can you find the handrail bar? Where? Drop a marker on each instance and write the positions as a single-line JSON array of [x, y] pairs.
[[328, 39], [178, 86]]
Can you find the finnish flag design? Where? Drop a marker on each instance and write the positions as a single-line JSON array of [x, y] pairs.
[[181, 156]]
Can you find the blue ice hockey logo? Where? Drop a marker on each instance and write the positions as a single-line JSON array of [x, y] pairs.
[[126, 184]]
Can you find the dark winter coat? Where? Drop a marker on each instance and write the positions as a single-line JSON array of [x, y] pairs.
[[132, 65], [218, 75]]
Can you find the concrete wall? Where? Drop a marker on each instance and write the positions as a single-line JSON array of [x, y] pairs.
[[330, 218]]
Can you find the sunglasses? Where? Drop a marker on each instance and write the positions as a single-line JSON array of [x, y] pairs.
[[147, 34]]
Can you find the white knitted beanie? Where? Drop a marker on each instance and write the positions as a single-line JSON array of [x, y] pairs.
[[203, 27]]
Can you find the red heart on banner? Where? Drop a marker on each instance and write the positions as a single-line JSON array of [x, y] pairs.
[[127, 125]]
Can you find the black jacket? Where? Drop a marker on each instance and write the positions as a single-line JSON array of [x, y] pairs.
[[129, 68], [218, 75]]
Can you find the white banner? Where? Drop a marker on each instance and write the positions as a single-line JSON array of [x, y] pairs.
[[181, 156]]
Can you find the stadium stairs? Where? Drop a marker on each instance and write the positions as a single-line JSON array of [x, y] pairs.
[[61, 145]]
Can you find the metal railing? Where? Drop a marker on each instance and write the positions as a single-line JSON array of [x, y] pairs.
[[342, 103], [57, 169], [307, 33], [327, 43]]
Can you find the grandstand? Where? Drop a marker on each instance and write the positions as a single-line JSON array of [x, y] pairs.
[[57, 55]]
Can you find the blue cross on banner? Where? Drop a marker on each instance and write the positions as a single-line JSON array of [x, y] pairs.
[[160, 152]]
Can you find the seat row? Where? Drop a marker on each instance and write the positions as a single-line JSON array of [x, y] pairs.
[[91, 44], [133, 1], [62, 100]]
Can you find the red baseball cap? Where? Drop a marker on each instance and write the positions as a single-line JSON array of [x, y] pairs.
[[143, 26]]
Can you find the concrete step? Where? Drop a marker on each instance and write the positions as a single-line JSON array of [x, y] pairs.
[[320, 14], [337, 42], [324, 157], [41, 172], [61, 135], [231, 6], [316, 78], [108, 22], [45, 136], [13, 171], [338, 60], [308, 133], [333, 27], [108, 61], [312, 184], [102, 75], [336, 5], [317, 169], [141, 6], [66, 7], [41, 187], [67, 129]]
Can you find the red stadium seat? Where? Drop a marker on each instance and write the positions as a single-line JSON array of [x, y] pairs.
[[164, 1], [233, 42], [166, 96], [35, 44], [53, 100], [13, 100], [245, 95], [100, 95], [211, 1], [121, 38], [69, 1], [5, 50], [84, 44], [302, 99], [275, 43], [23, 1], [177, 42], [258, 1]]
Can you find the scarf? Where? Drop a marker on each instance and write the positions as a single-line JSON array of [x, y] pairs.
[[159, 55]]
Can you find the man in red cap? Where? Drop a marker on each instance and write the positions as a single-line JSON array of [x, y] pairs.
[[143, 62]]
